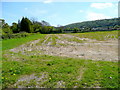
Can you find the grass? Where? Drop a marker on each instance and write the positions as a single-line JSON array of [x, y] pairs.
[[68, 70], [11, 43], [54, 71], [105, 35]]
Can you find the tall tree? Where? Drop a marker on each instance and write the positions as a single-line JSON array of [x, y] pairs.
[[26, 25], [19, 24]]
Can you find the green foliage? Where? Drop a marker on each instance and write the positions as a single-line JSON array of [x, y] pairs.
[[44, 23], [46, 29], [17, 35], [26, 25], [116, 27], [75, 30], [59, 30], [37, 27], [15, 28], [6, 29], [97, 25]]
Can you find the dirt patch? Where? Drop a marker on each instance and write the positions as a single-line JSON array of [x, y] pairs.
[[68, 47], [31, 81]]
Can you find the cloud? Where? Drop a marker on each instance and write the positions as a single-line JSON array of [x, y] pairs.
[[96, 16], [47, 1], [101, 5]]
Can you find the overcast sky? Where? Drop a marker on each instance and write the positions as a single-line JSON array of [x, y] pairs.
[[62, 13]]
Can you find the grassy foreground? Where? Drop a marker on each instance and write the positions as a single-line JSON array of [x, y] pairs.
[[70, 72], [11, 43], [55, 72]]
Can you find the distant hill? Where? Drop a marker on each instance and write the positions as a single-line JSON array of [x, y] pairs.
[[97, 25]]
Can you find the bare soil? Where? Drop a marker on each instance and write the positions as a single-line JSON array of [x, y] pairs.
[[66, 46]]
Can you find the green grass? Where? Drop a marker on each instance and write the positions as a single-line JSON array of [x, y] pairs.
[[105, 35], [11, 43], [68, 70]]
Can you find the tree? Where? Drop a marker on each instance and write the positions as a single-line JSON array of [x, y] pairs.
[[6, 29], [26, 25], [44, 23], [37, 26], [116, 27], [19, 24], [76, 30], [14, 28], [46, 29], [60, 29], [33, 20]]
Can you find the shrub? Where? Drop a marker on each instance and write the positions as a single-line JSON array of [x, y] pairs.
[[17, 35]]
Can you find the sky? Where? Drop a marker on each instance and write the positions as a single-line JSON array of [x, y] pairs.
[[59, 13]]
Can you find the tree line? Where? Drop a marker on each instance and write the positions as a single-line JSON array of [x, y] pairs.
[[26, 26]]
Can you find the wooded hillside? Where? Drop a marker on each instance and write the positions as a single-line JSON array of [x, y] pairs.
[[97, 25]]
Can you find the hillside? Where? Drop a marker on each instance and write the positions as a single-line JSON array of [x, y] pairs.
[[97, 25]]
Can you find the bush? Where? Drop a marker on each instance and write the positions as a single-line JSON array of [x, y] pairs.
[[17, 35]]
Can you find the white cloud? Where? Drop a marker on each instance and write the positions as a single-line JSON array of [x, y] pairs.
[[101, 5], [47, 1], [96, 16]]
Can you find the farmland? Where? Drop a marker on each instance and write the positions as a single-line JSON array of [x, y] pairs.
[[61, 61]]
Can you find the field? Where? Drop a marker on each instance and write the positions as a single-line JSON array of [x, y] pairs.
[[77, 60]]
